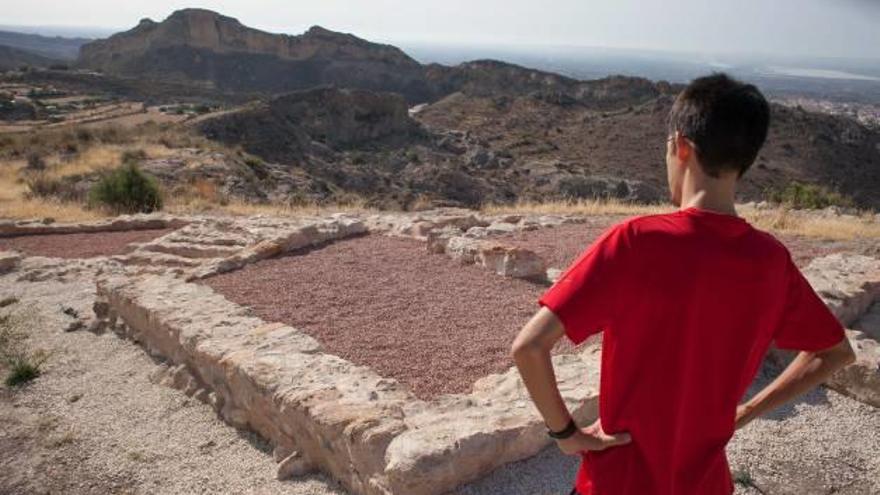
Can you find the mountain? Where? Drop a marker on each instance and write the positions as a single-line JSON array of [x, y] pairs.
[[332, 110], [203, 46], [56, 47], [13, 58]]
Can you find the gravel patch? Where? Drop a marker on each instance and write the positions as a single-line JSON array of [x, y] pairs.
[[559, 246], [426, 320], [88, 245]]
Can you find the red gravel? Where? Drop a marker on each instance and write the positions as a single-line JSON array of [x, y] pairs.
[[424, 319], [88, 245], [560, 246]]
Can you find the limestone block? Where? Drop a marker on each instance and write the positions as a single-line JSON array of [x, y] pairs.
[[500, 228], [860, 380], [847, 283], [512, 262]]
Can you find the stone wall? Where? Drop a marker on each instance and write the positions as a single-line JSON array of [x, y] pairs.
[[9, 228]]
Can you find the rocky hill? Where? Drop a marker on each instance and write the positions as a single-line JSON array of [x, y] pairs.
[[629, 143], [203, 46], [366, 143], [492, 78], [52, 47]]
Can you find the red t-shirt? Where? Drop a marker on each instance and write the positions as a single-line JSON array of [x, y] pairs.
[[689, 303]]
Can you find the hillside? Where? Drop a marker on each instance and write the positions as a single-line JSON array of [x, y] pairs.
[[56, 47], [13, 58], [206, 47], [629, 143]]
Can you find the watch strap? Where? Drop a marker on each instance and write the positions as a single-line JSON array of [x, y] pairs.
[[568, 431]]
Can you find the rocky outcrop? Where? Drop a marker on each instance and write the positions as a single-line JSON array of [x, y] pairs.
[[290, 127], [201, 45]]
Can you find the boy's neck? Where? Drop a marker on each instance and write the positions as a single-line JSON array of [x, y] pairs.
[[708, 193]]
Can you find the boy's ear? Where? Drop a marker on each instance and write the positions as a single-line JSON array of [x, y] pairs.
[[683, 147]]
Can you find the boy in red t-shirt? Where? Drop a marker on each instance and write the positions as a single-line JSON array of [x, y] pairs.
[[688, 303]]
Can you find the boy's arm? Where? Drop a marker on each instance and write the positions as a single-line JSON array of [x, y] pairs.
[[531, 353], [808, 370]]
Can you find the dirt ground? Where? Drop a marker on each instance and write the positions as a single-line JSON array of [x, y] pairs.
[[70, 246], [94, 422]]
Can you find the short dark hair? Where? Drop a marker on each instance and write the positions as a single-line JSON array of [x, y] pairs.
[[725, 118]]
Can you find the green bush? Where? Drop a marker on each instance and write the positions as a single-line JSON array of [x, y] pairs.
[[21, 373], [808, 196], [21, 364], [127, 190]]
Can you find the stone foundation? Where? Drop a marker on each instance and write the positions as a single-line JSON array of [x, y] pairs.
[[322, 412]]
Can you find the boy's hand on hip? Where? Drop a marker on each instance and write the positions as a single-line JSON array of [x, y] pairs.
[[592, 438]]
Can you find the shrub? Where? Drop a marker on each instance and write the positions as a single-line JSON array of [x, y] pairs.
[[22, 365], [133, 156], [41, 185], [808, 196], [127, 190], [35, 162], [21, 373]]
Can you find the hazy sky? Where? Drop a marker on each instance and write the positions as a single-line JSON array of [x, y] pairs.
[[847, 28]]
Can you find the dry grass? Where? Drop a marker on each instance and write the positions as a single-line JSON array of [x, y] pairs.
[[43, 208], [778, 220], [813, 224], [94, 151], [585, 207], [195, 205]]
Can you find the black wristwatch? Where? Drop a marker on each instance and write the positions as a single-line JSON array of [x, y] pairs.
[[567, 432]]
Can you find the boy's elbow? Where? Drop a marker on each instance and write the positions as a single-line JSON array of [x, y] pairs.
[[524, 347]]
